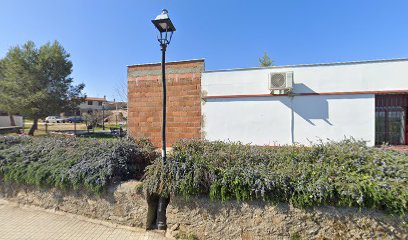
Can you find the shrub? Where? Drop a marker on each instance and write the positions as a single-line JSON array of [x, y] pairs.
[[72, 163], [345, 173]]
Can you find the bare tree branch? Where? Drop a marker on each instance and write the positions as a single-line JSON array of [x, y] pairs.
[[121, 91]]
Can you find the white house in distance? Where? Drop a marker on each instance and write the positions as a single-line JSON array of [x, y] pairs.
[[91, 104], [366, 100], [114, 111]]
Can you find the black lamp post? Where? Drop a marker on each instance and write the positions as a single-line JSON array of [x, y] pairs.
[[158, 204], [166, 29]]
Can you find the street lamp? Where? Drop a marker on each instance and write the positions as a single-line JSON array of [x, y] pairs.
[[158, 204], [166, 29]]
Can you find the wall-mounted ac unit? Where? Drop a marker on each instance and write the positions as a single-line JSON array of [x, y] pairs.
[[280, 82]]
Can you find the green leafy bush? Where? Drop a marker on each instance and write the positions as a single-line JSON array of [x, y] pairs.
[[345, 173], [72, 163]]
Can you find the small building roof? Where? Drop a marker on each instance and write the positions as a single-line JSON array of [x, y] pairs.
[[94, 99], [312, 65]]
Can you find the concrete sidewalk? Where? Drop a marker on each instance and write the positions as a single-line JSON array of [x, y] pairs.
[[34, 223]]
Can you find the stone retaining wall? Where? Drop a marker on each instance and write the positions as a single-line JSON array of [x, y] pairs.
[[215, 220]]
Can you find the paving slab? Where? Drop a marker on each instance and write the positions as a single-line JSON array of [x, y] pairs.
[[27, 222]]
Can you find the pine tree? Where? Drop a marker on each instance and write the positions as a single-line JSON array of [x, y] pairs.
[[36, 82], [265, 61]]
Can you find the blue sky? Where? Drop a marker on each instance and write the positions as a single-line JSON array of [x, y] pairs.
[[106, 35]]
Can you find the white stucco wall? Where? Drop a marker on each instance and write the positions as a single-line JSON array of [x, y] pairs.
[[372, 76], [334, 117], [249, 120], [287, 120], [284, 120]]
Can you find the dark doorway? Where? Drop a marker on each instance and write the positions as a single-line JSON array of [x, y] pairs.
[[391, 120]]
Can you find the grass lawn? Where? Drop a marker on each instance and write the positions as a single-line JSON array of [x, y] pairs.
[[97, 132], [53, 127], [65, 127]]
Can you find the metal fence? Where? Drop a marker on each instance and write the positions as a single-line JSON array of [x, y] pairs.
[[75, 129]]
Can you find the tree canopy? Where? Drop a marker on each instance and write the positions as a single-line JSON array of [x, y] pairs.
[[36, 82], [265, 60]]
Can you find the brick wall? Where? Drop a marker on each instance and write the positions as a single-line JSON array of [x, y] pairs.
[[183, 101]]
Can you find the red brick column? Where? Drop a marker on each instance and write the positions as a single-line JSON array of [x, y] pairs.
[[183, 101]]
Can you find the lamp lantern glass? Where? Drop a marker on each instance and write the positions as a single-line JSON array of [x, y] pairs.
[[165, 26], [163, 23]]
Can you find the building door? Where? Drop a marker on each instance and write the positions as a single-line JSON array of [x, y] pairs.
[[391, 119]]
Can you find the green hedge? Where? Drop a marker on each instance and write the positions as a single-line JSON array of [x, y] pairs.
[[345, 173], [72, 163]]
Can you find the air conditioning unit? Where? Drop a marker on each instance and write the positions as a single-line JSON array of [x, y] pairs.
[[280, 82]]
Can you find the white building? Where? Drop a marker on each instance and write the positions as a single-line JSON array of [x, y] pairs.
[[91, 104], [5, 122], [365, 100]]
